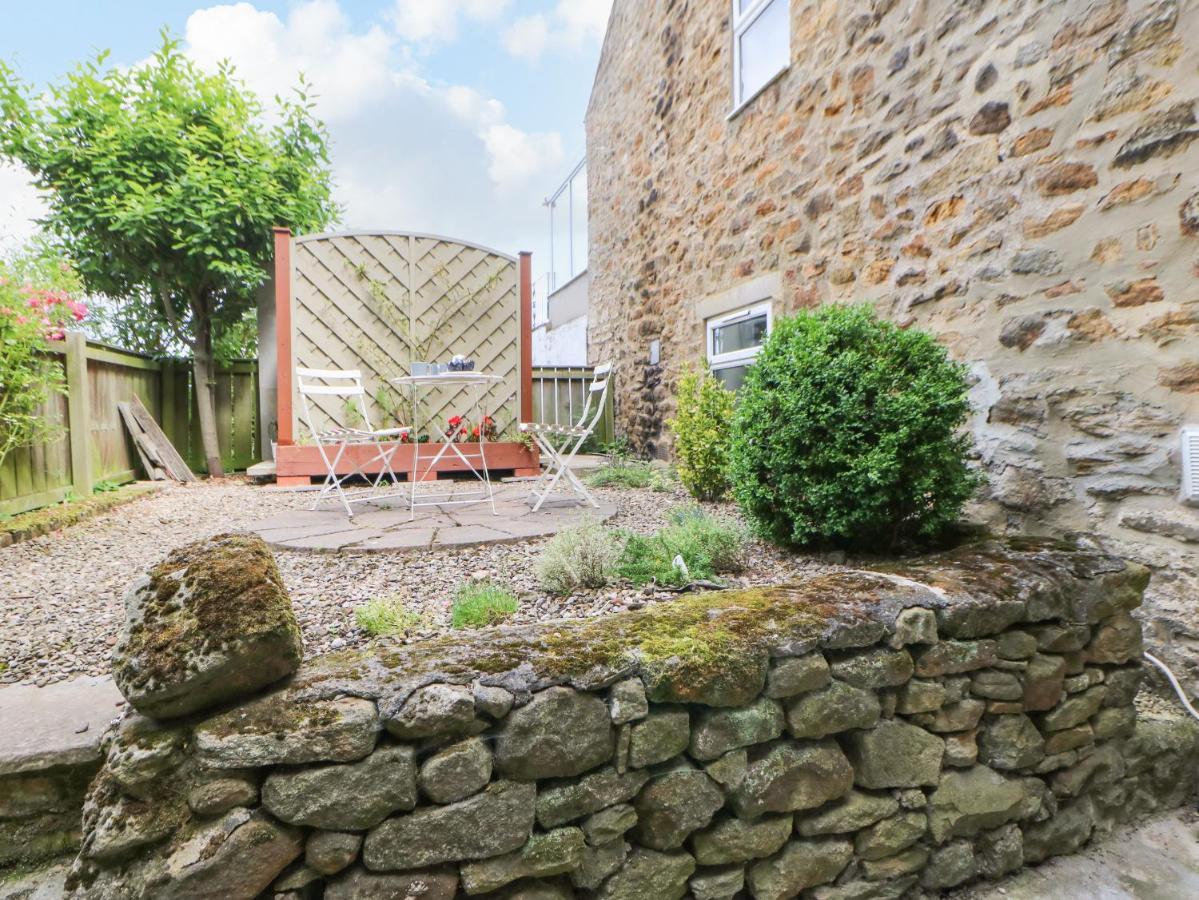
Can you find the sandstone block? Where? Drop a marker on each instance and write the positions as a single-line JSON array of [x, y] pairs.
[[891, 836], [328, 852], [872, 669], [915, 625], [852, 812], [720, 730], [498, 820], [560, 732], [953, 657], [359, 884], [717, 884], [626, 701], [799, 866], [949, 866], [456, 772], [275, 731], [543, 855], [351, 797], [895, 754], [973, 800], [1011, 742], [211, 624], [672, 806], [609, 824], [838, 707], [434, 710], [785, 777], [561, 803], [733, 840], [796, 675], [662, 734], [647, 875]]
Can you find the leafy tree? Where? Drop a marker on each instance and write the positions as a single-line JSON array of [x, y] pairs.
[[163, 183]]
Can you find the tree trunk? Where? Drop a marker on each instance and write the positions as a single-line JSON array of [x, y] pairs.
[[202, 370]]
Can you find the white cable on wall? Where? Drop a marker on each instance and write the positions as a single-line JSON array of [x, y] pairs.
[[1174, 682]]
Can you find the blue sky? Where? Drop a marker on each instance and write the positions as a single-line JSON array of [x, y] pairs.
[[450, 116]]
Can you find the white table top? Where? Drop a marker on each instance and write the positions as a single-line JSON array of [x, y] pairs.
[[448, 378]]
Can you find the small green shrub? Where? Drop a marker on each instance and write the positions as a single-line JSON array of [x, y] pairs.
[[630, 475], [581, 556], [702, 434], [847, 434], [480, 603], [388, 616], [708, 545], [105, 487]]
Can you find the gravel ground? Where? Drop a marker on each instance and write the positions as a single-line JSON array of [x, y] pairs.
[[61, 596]]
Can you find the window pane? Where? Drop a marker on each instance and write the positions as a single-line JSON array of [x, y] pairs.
[[740, 335], [732, 377], [765, 48]]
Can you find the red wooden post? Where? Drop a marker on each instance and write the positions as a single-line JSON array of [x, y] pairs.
[[285, 365], [526, 336]]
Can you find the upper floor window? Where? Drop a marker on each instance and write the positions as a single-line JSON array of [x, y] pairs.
[[761, 45], [734, 339]]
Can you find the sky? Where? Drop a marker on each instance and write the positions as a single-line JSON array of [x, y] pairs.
[[453, 117]]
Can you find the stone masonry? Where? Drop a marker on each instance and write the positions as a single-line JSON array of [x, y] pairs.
[[1021, 178], [859, 734]]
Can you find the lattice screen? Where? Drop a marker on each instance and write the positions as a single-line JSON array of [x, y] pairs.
[[380, 301]]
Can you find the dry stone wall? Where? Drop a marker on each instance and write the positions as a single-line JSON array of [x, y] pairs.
[[860, 734], [1022, 178]]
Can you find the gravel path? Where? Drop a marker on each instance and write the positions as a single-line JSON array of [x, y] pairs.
[[61, 596]]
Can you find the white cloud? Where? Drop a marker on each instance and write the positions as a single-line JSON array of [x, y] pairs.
[[408, 153], [572, 25], [516, 157], [527, 37], [437, 20]]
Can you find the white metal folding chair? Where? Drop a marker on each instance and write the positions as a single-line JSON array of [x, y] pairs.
[[561, 442], [347, 384]]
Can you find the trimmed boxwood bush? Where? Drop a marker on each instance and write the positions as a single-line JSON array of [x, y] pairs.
[[847, 434], [701, 434]]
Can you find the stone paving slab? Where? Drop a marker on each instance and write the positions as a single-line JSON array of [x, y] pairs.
[[386, 525], [57, 725]]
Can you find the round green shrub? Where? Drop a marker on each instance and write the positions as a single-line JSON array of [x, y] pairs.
[[701, 433], [847, 434]]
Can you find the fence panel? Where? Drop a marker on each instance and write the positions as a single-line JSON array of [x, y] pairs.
[[560, 395], [36, 476]]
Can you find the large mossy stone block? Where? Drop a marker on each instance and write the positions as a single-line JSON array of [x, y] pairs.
[[559, 733], [350, 797], [498, 820], [210, 624], [790, 776]]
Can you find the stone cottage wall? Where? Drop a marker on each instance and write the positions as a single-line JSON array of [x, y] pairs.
[[1022, 178], [859, 734]]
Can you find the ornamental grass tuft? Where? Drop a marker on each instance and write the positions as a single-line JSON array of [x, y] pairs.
[[478, 604]]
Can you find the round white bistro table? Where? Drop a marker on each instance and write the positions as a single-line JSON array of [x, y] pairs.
[[472, 386]]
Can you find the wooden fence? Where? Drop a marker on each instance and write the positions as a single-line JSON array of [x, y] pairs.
[[93, 445], [559, 395]]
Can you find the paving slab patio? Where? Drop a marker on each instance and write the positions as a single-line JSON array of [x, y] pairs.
[[386, 525]]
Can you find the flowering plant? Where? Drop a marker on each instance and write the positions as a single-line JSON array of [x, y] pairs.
[[36, 307], [460, 429]]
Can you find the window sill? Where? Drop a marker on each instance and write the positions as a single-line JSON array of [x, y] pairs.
[[736, 111]]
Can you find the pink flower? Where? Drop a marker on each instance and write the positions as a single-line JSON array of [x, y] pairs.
[[21, 320]]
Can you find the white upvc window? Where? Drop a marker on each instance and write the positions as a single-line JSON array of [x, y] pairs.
[[761, 46], [734, 339]]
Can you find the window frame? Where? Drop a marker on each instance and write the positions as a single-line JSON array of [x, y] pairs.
[[741, 22], [733, 358]]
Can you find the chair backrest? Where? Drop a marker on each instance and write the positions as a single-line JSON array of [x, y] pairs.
[[331, 383], [597, 393]]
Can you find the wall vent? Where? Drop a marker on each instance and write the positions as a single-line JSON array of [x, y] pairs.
[[1190, 465]]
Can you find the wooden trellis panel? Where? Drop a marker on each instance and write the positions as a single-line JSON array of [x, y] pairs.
[[381, 301]]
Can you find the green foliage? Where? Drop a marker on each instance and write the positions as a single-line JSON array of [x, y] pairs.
[[635, 474], [481, 603], [581, 556], [847, 434], [708, 545], [388, 616], [104, 486], [163, 184], [702, 434], [36, 305]]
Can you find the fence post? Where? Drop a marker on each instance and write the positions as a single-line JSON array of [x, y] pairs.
[[79, 413], [526, 336]]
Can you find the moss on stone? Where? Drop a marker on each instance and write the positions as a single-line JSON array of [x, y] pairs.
[[202, 597]]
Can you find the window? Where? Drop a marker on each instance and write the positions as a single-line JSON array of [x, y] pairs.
[[761, 45], [734, 340]]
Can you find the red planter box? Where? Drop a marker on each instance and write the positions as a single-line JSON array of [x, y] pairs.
[[298, 464]]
